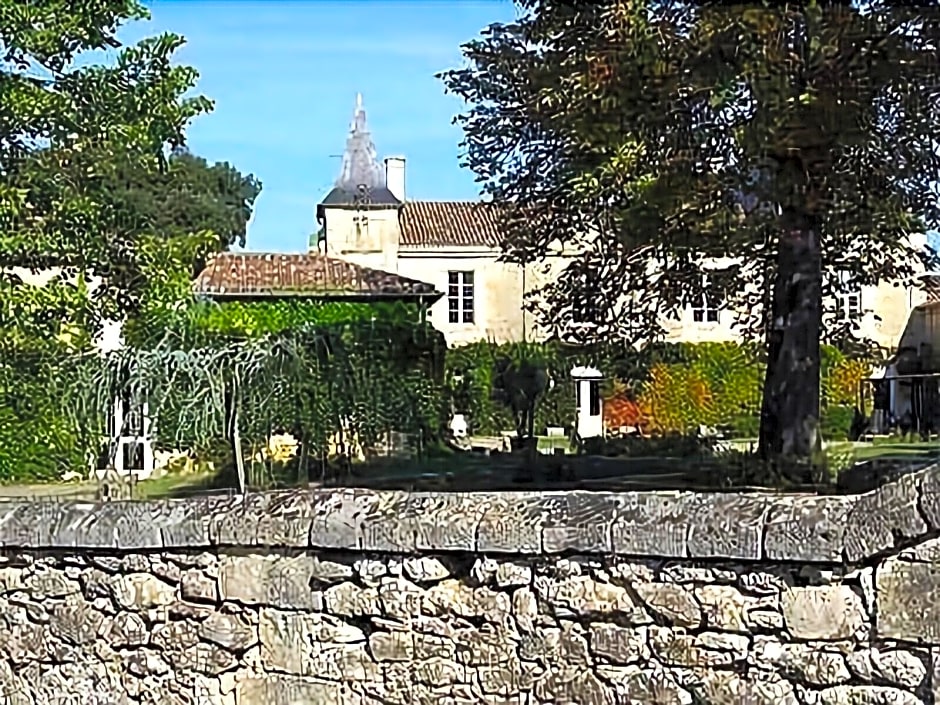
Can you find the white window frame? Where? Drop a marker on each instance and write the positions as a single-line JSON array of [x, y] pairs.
[[849, 304], [459, 283], [705, 312]]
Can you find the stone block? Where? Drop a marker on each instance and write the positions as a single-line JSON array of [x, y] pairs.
[[425, 569], [578, 521], [817, 665], [288, 690], [893, 666], [270, 519], [270, 580], [512, 524], [230, 631], [908, 601], [233, 521], [196, 586], [141, 591], [104, 526], [619, 645], [388, 524], [653, 524], [291, 641], [867, 695], [727, 609], [351, 600], [929, 487], [823, 613], [28, 524], [337, 517], [878, 518], [447, 521], [728, 525], [673, 603], [186, 524], [286, 519], [807, 529], [728, 688]]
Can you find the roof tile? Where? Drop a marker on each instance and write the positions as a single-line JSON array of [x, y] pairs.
[[449, 224], [261, 274]]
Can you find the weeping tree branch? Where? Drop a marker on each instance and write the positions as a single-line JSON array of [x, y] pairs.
[[312, 379]]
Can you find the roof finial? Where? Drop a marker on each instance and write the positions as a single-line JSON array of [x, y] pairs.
[[360, 164]]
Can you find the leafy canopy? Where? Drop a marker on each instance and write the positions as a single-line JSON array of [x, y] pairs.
[[661, 139], [68, 126], [189, 196]]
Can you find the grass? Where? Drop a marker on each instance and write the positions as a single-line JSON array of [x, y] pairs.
[[174, 485], [897, 450], [460, 466]]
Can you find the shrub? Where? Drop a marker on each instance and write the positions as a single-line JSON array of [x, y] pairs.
[[836, 422], [665, 388]]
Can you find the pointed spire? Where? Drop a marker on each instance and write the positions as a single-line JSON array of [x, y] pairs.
[[360, 161]]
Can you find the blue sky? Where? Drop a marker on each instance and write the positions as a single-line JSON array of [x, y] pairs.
[[284, 76]]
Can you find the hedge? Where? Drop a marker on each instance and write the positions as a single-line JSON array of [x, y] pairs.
[[665, 389]]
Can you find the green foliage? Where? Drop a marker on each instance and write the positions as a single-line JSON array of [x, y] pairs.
[[679, 386], [321, 371], [80, 144], [836, 422], [311, 381], [188, 196], [469, 374], [675, 126], [66, 135], [40, 327], [791, 144]]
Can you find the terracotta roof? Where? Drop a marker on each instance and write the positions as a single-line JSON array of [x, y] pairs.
[[449, 224], [261, 274]]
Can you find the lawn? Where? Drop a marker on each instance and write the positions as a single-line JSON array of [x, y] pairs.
[[896, 450]]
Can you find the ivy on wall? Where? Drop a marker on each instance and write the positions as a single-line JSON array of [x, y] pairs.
[[317, 370]]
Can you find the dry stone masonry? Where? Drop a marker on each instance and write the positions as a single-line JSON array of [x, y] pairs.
[[353, 596]]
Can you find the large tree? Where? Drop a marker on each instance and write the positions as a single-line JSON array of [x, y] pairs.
[[791, 145], [68, 127], [189, 196]]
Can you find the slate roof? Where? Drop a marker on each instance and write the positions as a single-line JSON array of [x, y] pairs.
[[374, 197], [310, 275], [449, 224]]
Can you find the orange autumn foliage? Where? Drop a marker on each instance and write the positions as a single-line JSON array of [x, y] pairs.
[[619, 411]]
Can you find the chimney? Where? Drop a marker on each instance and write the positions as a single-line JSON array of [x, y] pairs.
[[395, 176]]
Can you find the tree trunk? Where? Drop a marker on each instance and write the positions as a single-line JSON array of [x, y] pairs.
[[234, 436], [789, 426]]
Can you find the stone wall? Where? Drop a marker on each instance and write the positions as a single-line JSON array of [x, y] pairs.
[[381, 597]]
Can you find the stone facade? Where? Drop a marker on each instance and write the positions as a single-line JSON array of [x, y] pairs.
[[353, 596]]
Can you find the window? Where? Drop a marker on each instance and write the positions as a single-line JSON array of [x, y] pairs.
[[460, 297], [849, 302], [707, 311], [586, 307], [594, 399], [850, 306]]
